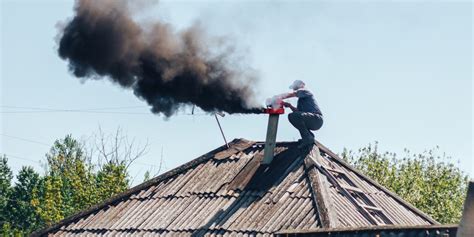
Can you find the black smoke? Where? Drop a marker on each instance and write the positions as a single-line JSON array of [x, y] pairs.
[[166, 68]]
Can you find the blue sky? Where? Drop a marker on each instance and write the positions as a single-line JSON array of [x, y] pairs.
[[396, 72]]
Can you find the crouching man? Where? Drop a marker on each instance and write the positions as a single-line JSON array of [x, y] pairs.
[[306, 116]]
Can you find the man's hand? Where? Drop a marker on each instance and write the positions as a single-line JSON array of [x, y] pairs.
[[288, 105]]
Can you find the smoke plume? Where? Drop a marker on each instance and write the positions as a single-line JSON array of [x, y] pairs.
[[166, 68]]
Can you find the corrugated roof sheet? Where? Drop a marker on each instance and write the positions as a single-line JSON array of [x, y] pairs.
[[228, 192]]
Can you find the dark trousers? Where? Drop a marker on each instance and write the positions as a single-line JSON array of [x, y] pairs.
[[304, 122]]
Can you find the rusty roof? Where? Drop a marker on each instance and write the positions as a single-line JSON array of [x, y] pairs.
[[228, 192]]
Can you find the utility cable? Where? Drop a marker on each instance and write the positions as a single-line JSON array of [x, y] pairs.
[[54, 109], [24, 139], [103, 110], [20, 158]]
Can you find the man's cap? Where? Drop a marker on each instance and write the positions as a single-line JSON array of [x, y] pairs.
[[297, 84]]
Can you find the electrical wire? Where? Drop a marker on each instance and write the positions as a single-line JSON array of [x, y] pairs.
[[70, 111], [25, 139], [104, 110], [50, 109], [48, 145], [20, 158]]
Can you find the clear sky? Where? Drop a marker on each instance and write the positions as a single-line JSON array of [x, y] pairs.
[[396, 72]]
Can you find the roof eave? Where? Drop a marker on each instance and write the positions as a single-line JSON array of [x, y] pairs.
[[368, 229]]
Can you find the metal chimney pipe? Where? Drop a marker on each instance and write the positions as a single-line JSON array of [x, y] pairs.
[[272, 129]]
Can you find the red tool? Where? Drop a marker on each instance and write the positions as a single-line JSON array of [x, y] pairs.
[[275, 108], [274, 111]]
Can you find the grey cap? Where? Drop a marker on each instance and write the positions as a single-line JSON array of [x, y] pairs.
[[297, 84]]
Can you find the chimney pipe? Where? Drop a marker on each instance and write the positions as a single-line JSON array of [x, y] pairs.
[[272, 129]]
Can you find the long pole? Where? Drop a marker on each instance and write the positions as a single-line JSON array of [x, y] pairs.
[[222, 132]]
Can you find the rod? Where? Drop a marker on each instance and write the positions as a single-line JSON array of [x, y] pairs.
[[222, 132]]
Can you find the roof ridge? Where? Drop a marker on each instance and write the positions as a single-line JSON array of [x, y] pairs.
[[319, 192], [144, 185]]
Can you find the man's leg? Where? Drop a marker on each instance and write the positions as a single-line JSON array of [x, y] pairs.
[[298, 121]]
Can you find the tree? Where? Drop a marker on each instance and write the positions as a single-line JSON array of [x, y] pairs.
[[70, 184], [50, 206], [5, 190], [116, 148], [115, 153], [69, 167], [112, 179], [429, 181], [22, 214]]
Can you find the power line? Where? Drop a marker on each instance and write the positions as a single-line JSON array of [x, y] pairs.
[[93, 112], [103, 110], [20, 158], [48, 145], [24, 139], [69, 111], [24, 109], [53, 109]]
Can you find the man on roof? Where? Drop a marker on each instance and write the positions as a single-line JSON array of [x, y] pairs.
[[306, 116]]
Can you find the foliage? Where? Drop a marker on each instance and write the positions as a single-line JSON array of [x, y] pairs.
[[50, 206], [71, 183], [72, 174], [429, 181], [21, 210], [146, 176], [5, 191], [112, 179]]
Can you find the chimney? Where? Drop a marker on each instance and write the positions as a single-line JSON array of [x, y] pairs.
[[272, 129]]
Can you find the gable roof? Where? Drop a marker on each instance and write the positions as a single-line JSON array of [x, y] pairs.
[[227, 191]]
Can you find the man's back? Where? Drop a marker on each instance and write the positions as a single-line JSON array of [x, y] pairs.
[[306, 102]]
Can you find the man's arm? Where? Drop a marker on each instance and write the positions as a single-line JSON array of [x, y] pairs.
[[289, 95]]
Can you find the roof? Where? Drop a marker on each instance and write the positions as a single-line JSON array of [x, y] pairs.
[[228, 192]]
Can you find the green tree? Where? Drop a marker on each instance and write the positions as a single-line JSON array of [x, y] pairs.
[[5, 192], [112, 179], [70, 184], [429, 181], [21, 210], [68, 165], [50, 205]]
